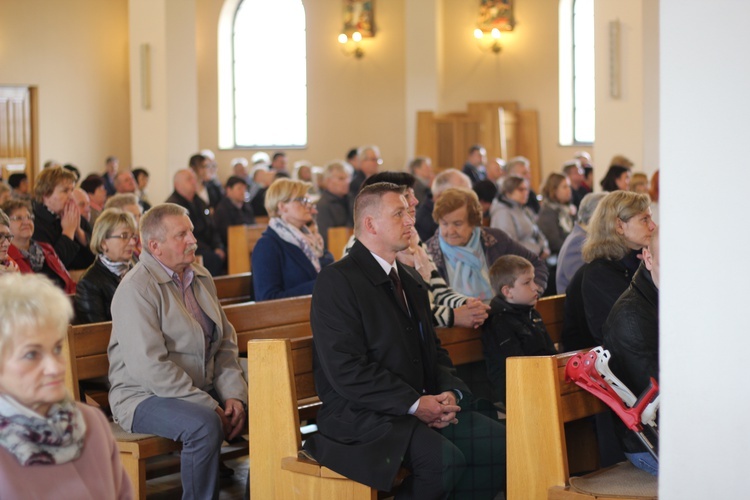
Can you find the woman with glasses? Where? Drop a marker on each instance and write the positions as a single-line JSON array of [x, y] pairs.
[[288, 256], [7, 265], [34, 256], [509, 213], [113, 241]]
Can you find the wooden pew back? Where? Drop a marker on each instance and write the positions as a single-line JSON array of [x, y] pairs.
[[338, 237], [241, 241], [549, 436], [234, 288]]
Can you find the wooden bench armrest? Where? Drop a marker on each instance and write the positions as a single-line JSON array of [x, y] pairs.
[[309, 467]]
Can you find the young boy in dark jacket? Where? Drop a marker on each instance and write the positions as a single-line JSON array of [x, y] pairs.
[[514, 327]]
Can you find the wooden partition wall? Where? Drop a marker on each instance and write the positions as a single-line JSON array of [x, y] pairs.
[[500, 126]]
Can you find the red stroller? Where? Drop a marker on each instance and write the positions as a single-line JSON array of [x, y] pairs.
[[591, 372]]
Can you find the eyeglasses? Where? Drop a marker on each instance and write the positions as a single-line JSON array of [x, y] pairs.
[[23, 218], [6, 236], [305, 202], [123, 236], [379, 161]]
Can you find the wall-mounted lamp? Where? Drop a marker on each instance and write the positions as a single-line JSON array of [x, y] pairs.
[[488, 41], [351, 46]]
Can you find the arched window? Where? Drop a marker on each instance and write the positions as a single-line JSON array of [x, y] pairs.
[[577, 96], [262, 74]]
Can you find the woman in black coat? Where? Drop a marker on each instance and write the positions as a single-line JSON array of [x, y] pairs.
[[620, 228], [114, 241]]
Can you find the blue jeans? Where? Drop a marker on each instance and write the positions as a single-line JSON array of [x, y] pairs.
[[200, 431], [644, 461]]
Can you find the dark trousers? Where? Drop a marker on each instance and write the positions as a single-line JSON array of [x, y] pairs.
[[462, 461]]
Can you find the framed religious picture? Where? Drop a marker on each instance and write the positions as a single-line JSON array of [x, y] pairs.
[[496, 14], [359, 15]]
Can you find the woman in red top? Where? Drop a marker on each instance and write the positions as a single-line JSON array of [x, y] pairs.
[[7, 265], [33, 256]]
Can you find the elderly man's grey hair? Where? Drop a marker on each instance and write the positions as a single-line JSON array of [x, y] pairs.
[[121, 201], [152, 222], [587, 207], [28, 302], [516, 160], [449, 178]]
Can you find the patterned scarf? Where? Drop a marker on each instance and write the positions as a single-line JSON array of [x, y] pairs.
[[35, 256], [117, 268], [36, 440], [467, 267], [302, 239], [564, 219]]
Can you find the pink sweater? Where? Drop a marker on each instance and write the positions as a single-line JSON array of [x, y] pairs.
[[97, 474]]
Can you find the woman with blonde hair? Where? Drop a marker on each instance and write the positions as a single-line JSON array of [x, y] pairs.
[[619, 229], [114, 242], [288, 256], [44, 434]]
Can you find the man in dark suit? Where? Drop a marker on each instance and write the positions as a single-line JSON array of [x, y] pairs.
[[233, 210], [210, 247], [475, 162], [389, 391]]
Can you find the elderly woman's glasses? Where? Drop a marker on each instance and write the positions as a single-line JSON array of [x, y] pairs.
[[123, 236], [7, 237], [305, 202], [22, 218]]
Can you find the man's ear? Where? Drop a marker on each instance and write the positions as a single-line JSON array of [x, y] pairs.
[[153, 247], [370, 225]]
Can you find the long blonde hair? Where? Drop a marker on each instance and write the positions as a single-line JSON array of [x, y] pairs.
[[603, 240]]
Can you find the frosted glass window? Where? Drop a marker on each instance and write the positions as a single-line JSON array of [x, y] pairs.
[[270, 74]]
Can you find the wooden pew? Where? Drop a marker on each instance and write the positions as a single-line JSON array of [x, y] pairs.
[[546, 436], [281, 377], [281, 374], [86, 350], [234, 288], [240, 243], [338, 237]]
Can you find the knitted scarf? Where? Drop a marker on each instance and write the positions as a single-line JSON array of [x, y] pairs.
[[33, 439]]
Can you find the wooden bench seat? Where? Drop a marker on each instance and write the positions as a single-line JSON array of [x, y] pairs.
[[547, 438], [280, 372]]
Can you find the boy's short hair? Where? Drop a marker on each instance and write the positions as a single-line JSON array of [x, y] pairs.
[[506, 270]]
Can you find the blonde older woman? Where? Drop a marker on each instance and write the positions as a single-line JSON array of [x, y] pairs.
[[44, 434], [463, 251], [288, 256], [113, 241], [7, 265], [619, 229]]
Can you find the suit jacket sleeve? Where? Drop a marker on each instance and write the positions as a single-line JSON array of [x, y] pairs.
[[342, 349]]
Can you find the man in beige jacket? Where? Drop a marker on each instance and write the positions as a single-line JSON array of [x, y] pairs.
[[173, 355]]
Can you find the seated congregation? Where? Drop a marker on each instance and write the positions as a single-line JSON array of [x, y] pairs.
[[392, 412]]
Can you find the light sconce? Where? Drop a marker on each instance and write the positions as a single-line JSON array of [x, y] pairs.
[[488, 41], [351, 46]]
